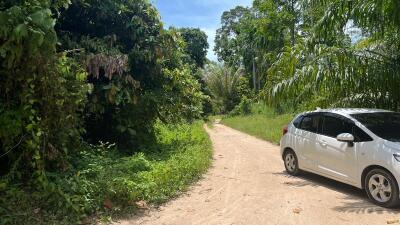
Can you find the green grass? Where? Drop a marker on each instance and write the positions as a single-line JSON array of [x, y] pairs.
[[99, 175], [267, 126]]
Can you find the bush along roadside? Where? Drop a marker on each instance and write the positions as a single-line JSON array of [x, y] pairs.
[[102, 182]]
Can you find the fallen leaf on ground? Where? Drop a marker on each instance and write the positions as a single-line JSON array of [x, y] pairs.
[[108, 204], [87, 220], [297, 210], [393, 221], [141, 204]]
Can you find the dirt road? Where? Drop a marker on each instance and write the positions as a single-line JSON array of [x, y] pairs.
[[247, 185]]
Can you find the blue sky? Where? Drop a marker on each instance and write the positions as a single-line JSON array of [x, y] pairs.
[[203, 14]]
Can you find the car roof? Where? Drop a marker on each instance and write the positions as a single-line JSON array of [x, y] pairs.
[[350, 111]]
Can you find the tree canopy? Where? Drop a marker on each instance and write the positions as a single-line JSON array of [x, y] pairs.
[[94, 71], [306, 56], [196, 45]]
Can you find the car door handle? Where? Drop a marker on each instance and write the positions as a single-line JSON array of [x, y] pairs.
[[322, 143]]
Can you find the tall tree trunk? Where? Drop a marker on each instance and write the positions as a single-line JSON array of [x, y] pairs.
[[293, 25], [254, 75]]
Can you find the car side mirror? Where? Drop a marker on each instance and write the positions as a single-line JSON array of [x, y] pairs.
[[346, 137]]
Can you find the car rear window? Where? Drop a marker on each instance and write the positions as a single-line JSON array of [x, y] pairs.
[[297, 121]]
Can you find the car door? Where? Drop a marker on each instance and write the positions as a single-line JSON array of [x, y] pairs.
[[306, 136], [336, 159]]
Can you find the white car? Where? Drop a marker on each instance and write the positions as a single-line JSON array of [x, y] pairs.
[[360, 147]]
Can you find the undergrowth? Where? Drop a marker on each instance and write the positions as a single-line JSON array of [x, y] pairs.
[[101, 182]]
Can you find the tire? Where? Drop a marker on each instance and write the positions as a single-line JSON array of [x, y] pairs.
[[291, 163], [382, 188]]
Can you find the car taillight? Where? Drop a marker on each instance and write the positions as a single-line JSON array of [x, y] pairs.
[[285, 130]]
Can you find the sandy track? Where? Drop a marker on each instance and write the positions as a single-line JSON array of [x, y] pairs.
[[247, 185]]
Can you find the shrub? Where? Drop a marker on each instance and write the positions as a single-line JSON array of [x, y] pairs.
[[42, 93], [102, 181], [243, 108]]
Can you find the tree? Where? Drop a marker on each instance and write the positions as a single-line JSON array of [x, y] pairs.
[[136, 67], [302, 48], [253, 37], [331, 71], [118, 42], [225, 85], [227, 46], [42, 93], [196, 45]]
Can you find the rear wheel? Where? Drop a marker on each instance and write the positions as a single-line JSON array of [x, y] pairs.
[[382, 188], [291, 163]]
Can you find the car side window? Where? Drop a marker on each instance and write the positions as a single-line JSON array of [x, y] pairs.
[[297, 121], [310, 123], [334, 125]]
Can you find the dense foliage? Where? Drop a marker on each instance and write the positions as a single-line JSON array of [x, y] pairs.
[[137, 69], [196, 45], [340, 73], [103, 183], [114, 73], [42, 93], [226, 85], [309, 53], [76, 73]]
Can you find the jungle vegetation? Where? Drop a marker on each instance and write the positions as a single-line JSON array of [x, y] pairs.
[[302, 54], [297, 55], [100, 103]]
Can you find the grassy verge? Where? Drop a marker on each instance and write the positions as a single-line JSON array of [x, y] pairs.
[[264, 124], [103, 183]]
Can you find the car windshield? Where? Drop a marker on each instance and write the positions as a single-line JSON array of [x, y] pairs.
[[385, 125]]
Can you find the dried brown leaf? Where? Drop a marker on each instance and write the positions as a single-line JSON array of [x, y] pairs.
[[297, 210], [108, 203], [141, 204]]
